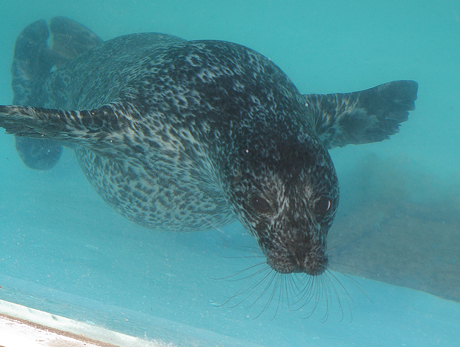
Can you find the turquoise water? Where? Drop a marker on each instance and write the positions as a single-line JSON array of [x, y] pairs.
[[63, 250]]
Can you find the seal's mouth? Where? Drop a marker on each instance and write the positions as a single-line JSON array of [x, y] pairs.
[[313, 263]]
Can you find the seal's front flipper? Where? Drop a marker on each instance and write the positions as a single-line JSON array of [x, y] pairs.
[[32, 63], [368, 116], [104, 130]]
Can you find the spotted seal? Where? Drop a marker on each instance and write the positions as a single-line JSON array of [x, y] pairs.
[[182, 135]]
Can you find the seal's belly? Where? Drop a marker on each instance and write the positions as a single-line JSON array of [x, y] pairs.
[[165, 198]]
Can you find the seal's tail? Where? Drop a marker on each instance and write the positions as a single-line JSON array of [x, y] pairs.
[[33, 61], [367, 116]]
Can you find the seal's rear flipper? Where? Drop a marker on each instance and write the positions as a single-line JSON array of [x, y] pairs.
[[368, 116], [70, 39], [38, 154], [33, 60]]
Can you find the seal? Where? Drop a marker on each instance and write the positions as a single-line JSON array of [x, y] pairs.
[[188, 135]]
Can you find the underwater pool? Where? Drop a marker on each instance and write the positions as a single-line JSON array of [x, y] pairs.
[[394, 247]]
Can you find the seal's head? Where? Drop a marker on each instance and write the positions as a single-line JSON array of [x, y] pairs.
[[285, 191]]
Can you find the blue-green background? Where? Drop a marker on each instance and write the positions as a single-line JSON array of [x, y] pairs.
[[63, 250]]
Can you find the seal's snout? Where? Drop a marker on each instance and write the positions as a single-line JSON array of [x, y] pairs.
[[311, 263], [316, 266]]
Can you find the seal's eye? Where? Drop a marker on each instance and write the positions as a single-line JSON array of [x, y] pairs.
[[323, 206], [259, 204]]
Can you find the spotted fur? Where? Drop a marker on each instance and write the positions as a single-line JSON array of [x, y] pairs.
[[188, 135]]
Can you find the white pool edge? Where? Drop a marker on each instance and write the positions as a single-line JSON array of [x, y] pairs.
[[62, 326]]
